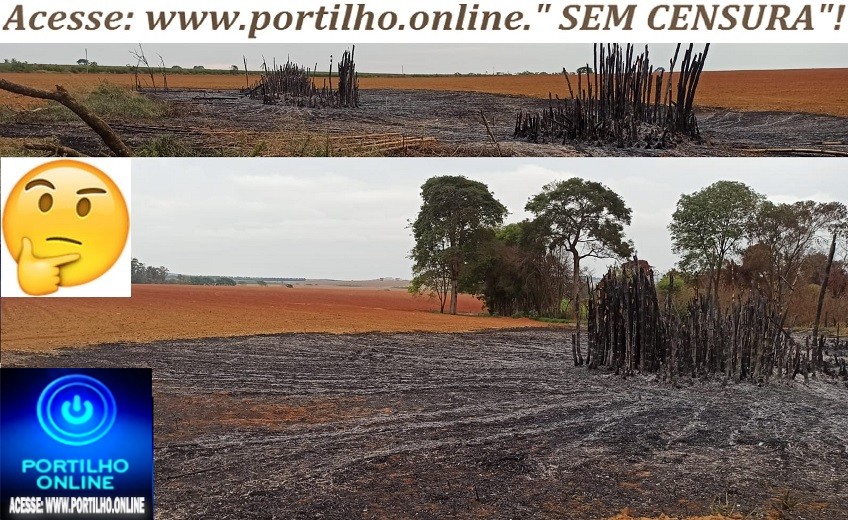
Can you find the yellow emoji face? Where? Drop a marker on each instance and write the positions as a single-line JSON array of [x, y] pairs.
[[65, 223]]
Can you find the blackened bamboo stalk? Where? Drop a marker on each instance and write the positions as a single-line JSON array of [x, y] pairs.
[[621, 102]]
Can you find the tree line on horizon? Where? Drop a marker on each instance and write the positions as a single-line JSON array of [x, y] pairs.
[[729, 238], [89, 66], [148, 274]]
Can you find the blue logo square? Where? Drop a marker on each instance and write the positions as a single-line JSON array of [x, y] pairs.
[[76, 443]]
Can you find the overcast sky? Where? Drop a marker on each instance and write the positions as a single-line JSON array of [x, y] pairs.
[[429, 58], [347, 218]]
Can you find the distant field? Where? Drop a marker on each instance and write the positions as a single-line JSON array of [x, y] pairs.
[[158, 312], [818, 91]]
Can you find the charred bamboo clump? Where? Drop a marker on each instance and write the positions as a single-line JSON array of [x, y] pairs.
[[631, 330], [623, 100], [295, 85]]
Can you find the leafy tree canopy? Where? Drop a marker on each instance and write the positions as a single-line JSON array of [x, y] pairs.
[[585, 217], [456, 215], [709, 225]]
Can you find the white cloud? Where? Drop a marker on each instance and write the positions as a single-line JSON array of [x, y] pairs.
[[347, 218]]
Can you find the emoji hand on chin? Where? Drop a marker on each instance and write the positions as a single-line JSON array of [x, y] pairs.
[[39, 276]]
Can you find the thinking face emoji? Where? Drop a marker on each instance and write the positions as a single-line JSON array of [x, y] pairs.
[[65, 223]]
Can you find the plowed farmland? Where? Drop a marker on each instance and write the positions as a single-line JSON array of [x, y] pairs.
[[492, 424], [178, 311]]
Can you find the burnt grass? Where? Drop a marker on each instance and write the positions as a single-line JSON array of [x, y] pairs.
[[209, 121], [490, 425]]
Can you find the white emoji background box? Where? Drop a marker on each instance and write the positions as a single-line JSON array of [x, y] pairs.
[[116, 281]]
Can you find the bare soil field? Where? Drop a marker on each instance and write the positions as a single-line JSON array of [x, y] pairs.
[[158, 312], [473, 425], [741, 112]]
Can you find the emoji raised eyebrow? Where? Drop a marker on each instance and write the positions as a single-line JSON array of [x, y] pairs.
[[85, 191], [39, 182]]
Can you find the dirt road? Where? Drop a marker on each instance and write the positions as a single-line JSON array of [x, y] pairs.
[[475, 425]]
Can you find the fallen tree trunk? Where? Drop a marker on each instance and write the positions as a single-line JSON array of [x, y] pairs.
[[109, 137], [796, 151], [56, 149]]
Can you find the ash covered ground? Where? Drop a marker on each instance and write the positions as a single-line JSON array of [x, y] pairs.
[[473, 425], [216, 122]]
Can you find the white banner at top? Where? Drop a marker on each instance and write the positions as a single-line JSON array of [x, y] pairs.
[[431, 21]]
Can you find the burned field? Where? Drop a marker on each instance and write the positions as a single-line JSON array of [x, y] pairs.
[[416, 123], [490, 424]]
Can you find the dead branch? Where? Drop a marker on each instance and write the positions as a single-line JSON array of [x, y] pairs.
[[821, 151], [139, 55], [491, 135], [57, 150], [164, 71], [109, 137], [246, 76]]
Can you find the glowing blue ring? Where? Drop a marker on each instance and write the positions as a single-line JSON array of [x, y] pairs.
[[48, 424], [59, 428]]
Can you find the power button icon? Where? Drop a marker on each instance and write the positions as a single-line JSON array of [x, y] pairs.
[[71, 417], [76, 409]]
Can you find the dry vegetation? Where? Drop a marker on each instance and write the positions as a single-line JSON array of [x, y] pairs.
[[83, 83], [178, 311], [818, 91]]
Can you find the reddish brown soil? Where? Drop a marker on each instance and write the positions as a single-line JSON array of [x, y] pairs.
[[158, 312], [819, 91]]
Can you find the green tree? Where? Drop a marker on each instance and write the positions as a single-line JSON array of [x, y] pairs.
[[520, 274], [155, 274], [499, 269], [454, 212], [671, 283], [710, 225], [585, 219], [137, 271], [787, 234], [433, 279], [141, 273]]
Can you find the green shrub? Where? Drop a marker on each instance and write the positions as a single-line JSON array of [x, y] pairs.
[[107, 101], [167, 145], [7, 115], [114, 102]]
